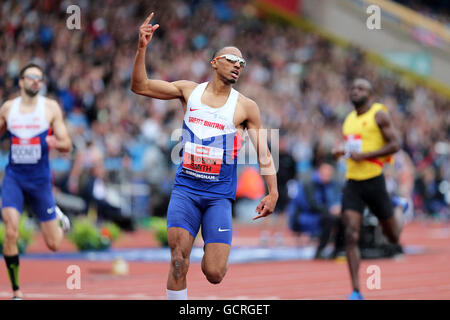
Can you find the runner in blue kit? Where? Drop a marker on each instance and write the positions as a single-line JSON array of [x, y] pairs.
[[29, 121], [215, 118]]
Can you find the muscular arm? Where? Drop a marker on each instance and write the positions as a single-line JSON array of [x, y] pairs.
[[159, 89], [62, 141], [390, 135], [141, 84], [265, 160]]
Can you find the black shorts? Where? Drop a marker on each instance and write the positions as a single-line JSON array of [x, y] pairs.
[[371, 192]]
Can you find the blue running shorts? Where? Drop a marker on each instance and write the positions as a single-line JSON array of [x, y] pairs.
[[190, 211], [39, 196]]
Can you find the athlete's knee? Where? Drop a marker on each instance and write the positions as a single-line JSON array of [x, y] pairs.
[[11, 233], [11, 222], [180, 265], [351, 236], [214, 275], [53, 244]]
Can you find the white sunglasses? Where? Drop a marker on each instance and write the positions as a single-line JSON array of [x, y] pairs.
[[233, 58]]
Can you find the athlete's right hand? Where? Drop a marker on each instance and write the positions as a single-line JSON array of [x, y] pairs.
[[266, 206], [146, 31], [51, 141]]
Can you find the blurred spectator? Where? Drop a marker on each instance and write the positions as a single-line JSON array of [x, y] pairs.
[[157, 174], [85, 160], [249, 191], [287, 171], [437, 9], [315, 208], [250, 184], [97, 192], [429, 198], [400, 181]]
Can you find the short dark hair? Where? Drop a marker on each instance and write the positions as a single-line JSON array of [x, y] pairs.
[[28, 66], [368, 83], [215, 52]]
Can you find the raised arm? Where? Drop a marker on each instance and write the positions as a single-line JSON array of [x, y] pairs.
[[140, 83], [258, 136]]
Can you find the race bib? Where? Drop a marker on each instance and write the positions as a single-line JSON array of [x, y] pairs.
[[26, 151], [202, 161], [353, 143]]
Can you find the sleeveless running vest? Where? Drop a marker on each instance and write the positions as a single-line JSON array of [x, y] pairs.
[[210, 143], [28, 157], [362, 134]]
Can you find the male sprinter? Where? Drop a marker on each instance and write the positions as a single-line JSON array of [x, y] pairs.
[[29, 120], [205, 183], [370, 141]]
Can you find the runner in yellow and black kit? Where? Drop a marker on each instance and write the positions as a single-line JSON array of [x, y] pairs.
[[370, 142]]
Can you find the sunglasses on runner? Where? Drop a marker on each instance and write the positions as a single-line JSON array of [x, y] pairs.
[[33, 77], [232, 58]]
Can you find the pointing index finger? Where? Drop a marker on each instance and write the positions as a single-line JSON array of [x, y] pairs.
[[258, 216], [264, 213], [149, 18]]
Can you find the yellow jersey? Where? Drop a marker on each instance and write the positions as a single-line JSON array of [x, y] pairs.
[[362, 134]]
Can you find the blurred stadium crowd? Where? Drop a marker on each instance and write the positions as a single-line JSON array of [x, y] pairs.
[[298, 79], [438, 9]]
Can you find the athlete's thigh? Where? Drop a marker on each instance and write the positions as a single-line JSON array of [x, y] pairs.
[[378, 199], [352, 199], [40, 195], [216, 256], [217, 222], [352, 220], [184, 212], [353, 205], [12, 194], [51, 231], [217, 231]]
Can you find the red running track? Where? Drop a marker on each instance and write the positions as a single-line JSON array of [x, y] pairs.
[[424, 276]]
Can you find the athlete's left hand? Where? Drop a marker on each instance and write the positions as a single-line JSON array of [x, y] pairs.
[[355, 156], [266, 206], [51, 141]]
